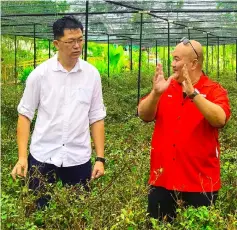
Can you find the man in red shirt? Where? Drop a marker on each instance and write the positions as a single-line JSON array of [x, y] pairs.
[[188, 110]]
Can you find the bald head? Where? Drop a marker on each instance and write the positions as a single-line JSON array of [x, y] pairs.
[[189, 53], [198, 47], [187, 50]]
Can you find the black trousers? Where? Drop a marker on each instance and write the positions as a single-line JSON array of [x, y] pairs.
[[163, 202], [41, 173]]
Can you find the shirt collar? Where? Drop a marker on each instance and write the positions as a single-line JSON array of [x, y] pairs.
[[203, 81], [57, 66]]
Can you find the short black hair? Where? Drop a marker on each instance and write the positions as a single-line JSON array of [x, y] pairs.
[[66, 22]]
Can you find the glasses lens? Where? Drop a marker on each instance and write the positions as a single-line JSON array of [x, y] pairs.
[[181, 40], [185, 41]]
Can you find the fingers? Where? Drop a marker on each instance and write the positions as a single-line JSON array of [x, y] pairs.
[[159, 69], [187, 83], [155, 77], [187, 80], [19, 170], [25, 171], [185, 72], [159, 72], [93, 174], [13, 173], [97, 173]]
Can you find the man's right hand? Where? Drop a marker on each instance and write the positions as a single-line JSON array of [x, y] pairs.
[[20, 168], [159, 82]]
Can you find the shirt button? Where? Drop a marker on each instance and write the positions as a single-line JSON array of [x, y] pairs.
[[63, 144], [178, 117], [173, 159], [174, 145]]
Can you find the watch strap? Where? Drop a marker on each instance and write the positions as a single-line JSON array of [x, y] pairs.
[[101, 159], [194, 94]]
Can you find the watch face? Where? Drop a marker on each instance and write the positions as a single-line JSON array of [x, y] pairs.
[[195, 93]]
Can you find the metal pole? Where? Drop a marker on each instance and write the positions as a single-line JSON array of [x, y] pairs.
[[162, 11], [218, 54], [236, 59], [168, 49], [189, 34], [139, 64], [207, 56], [34, 47], [148, 53], [131, 55], [156, 52], [232, 60], [86, 29], [212, 62], [223, 57], [164, 61], [15, 44], [49, 48], [108, 56]]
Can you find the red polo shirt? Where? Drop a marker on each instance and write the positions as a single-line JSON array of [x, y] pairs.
[[185, 147]]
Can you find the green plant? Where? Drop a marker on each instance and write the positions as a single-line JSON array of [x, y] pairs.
[[119, 199], [24, 74]]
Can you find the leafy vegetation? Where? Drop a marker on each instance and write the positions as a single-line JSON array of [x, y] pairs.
[[24, 74], [45, 6], [98, 56], [119, 199]]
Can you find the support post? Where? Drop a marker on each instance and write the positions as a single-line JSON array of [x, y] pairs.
[[86, 30]]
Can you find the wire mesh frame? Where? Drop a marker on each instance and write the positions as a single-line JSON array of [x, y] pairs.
[[128, 8], [145, 41]]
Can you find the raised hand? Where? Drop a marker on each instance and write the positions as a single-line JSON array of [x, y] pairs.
[[159, 82], [187, 83]]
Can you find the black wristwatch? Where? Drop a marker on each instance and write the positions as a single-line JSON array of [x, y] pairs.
[[194, 94], [101, 159]]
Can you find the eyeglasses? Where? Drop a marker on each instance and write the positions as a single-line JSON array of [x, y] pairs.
[[186, 41], [73, 42]]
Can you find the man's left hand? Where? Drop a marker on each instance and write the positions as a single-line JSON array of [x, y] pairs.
[[98, 170], [187, 83]]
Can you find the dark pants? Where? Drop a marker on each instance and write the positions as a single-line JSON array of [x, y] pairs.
[[41, 173], [163, 202]]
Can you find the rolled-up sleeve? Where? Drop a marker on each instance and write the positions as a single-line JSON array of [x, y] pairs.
[[220, 97], [31, 96], [97, 110]]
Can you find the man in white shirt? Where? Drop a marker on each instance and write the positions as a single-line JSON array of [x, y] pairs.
[[67, 93]]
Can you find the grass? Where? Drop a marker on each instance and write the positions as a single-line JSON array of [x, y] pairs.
[[119, 199]]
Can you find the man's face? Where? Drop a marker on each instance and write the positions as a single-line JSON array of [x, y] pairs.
[[180, 57], [70, 45]]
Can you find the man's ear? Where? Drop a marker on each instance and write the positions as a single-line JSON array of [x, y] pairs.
[[194, 64], [56, 43]]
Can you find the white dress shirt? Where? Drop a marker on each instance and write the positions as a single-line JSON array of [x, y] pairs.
[[67, 103]]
